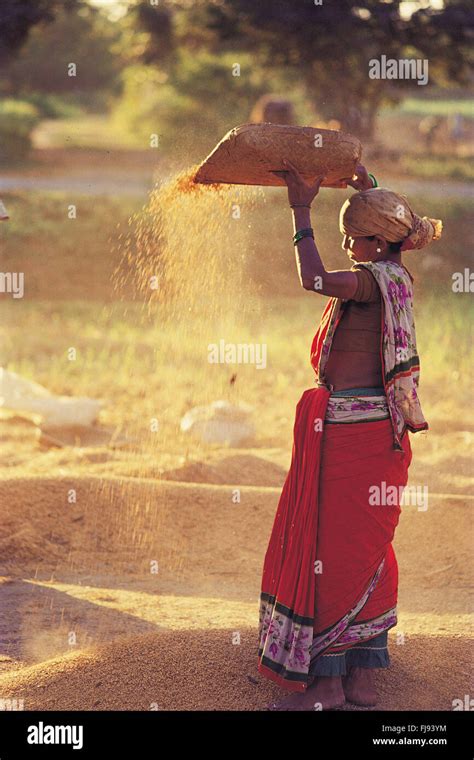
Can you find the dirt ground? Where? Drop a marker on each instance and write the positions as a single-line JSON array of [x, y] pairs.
[[137, 593]]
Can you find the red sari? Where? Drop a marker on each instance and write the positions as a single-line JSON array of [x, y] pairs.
[[330, 575]]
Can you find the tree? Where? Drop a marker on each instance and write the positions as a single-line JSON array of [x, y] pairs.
[[446, 39], [332, 44], [17, 17], [80, 34], [147, 33]]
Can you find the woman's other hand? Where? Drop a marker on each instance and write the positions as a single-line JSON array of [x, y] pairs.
[[360, 180], [300, 193]]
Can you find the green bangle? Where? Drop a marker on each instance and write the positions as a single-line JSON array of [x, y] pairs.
[[306, 232], [374, 181]]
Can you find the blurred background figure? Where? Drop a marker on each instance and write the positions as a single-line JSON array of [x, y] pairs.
[[456, 130], [354, 121], [456, 126], [429, 129], [274, 109]]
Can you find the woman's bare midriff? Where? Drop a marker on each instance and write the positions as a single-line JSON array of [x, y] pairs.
[[356, 371], [354, 359]]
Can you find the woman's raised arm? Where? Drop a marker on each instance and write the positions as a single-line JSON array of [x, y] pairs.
[[311, 270], [312, 273]]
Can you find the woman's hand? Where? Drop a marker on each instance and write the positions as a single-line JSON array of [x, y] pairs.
[[299, 192], [360, 180]]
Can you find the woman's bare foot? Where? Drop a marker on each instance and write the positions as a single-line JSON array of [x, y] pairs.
[[325, 693], [359, 686]]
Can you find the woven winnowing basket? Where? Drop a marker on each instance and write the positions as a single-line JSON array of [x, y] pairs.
[[249, 153]]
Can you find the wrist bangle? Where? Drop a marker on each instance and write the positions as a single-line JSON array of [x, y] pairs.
[[374, 181], [299, 205], [306, 232]]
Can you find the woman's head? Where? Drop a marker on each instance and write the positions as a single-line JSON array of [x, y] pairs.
[[379, 223]]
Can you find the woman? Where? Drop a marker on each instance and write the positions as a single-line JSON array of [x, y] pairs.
[[330, 576]]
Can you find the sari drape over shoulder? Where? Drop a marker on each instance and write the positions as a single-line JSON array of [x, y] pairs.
[[330, 576]]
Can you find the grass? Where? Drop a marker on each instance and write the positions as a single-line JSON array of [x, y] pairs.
[[144, 371], [437, 107], [95, 131], [64, 258], [429, 166]]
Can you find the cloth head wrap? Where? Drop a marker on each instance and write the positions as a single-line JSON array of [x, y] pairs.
[[382, 212]]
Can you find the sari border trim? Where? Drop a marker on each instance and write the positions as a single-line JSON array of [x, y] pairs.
[[326, 640], [285, 610], [287, 646]]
